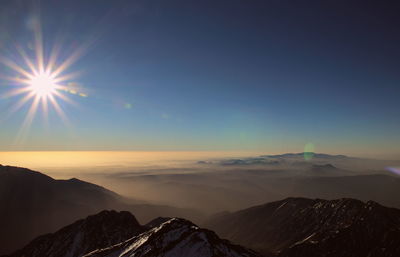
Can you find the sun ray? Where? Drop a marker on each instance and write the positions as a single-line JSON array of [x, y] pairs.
[[15, 92], [38, 44], [65, 98], [45, 109], [26, 59], [66, 77], [59, 110], [28, 119], [68, 62], [15, 67], [18, 80], [53, 57], [21, 103], [17, 106]]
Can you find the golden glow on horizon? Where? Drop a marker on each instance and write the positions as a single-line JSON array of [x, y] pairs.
[[60, 163], [83, 159]]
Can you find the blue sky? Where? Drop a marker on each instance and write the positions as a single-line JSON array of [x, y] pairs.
[[216, 75]]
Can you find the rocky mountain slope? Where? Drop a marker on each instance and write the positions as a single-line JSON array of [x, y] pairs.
[[305, 227], [83, 236], [175, 238], [36, 204]]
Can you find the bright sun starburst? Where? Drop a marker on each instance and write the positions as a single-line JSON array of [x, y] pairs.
[[41, 81], [42, 85]]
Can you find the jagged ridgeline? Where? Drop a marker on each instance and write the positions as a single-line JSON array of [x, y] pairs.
[[300, 227], [111, 233]]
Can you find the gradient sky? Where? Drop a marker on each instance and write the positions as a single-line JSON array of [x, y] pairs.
[[215, 75]]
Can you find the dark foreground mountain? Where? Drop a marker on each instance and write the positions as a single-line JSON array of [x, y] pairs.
[[175, 238], [83, 236], [33, 204], [119, 234], [297, 227]]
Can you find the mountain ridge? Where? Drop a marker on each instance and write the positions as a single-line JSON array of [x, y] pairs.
[[305, 227], [111, 233], [176, 238], [292, 227]]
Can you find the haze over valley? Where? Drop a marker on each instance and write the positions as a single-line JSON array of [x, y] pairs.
[[215, 182]]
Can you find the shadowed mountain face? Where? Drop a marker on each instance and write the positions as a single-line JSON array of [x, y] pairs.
[[175, 238], [304, 227], [109, 233], [33, 204], [95, 232]]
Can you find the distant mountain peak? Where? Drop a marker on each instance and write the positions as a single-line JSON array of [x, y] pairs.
[[314, 155]]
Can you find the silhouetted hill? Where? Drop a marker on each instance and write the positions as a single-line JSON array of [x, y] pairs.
[[33, 204], [305, 227]]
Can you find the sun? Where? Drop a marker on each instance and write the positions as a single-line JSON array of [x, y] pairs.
[[40, 78], [42, 85]]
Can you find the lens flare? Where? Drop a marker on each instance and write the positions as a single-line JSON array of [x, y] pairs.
[[308, 152], [394, 170]]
